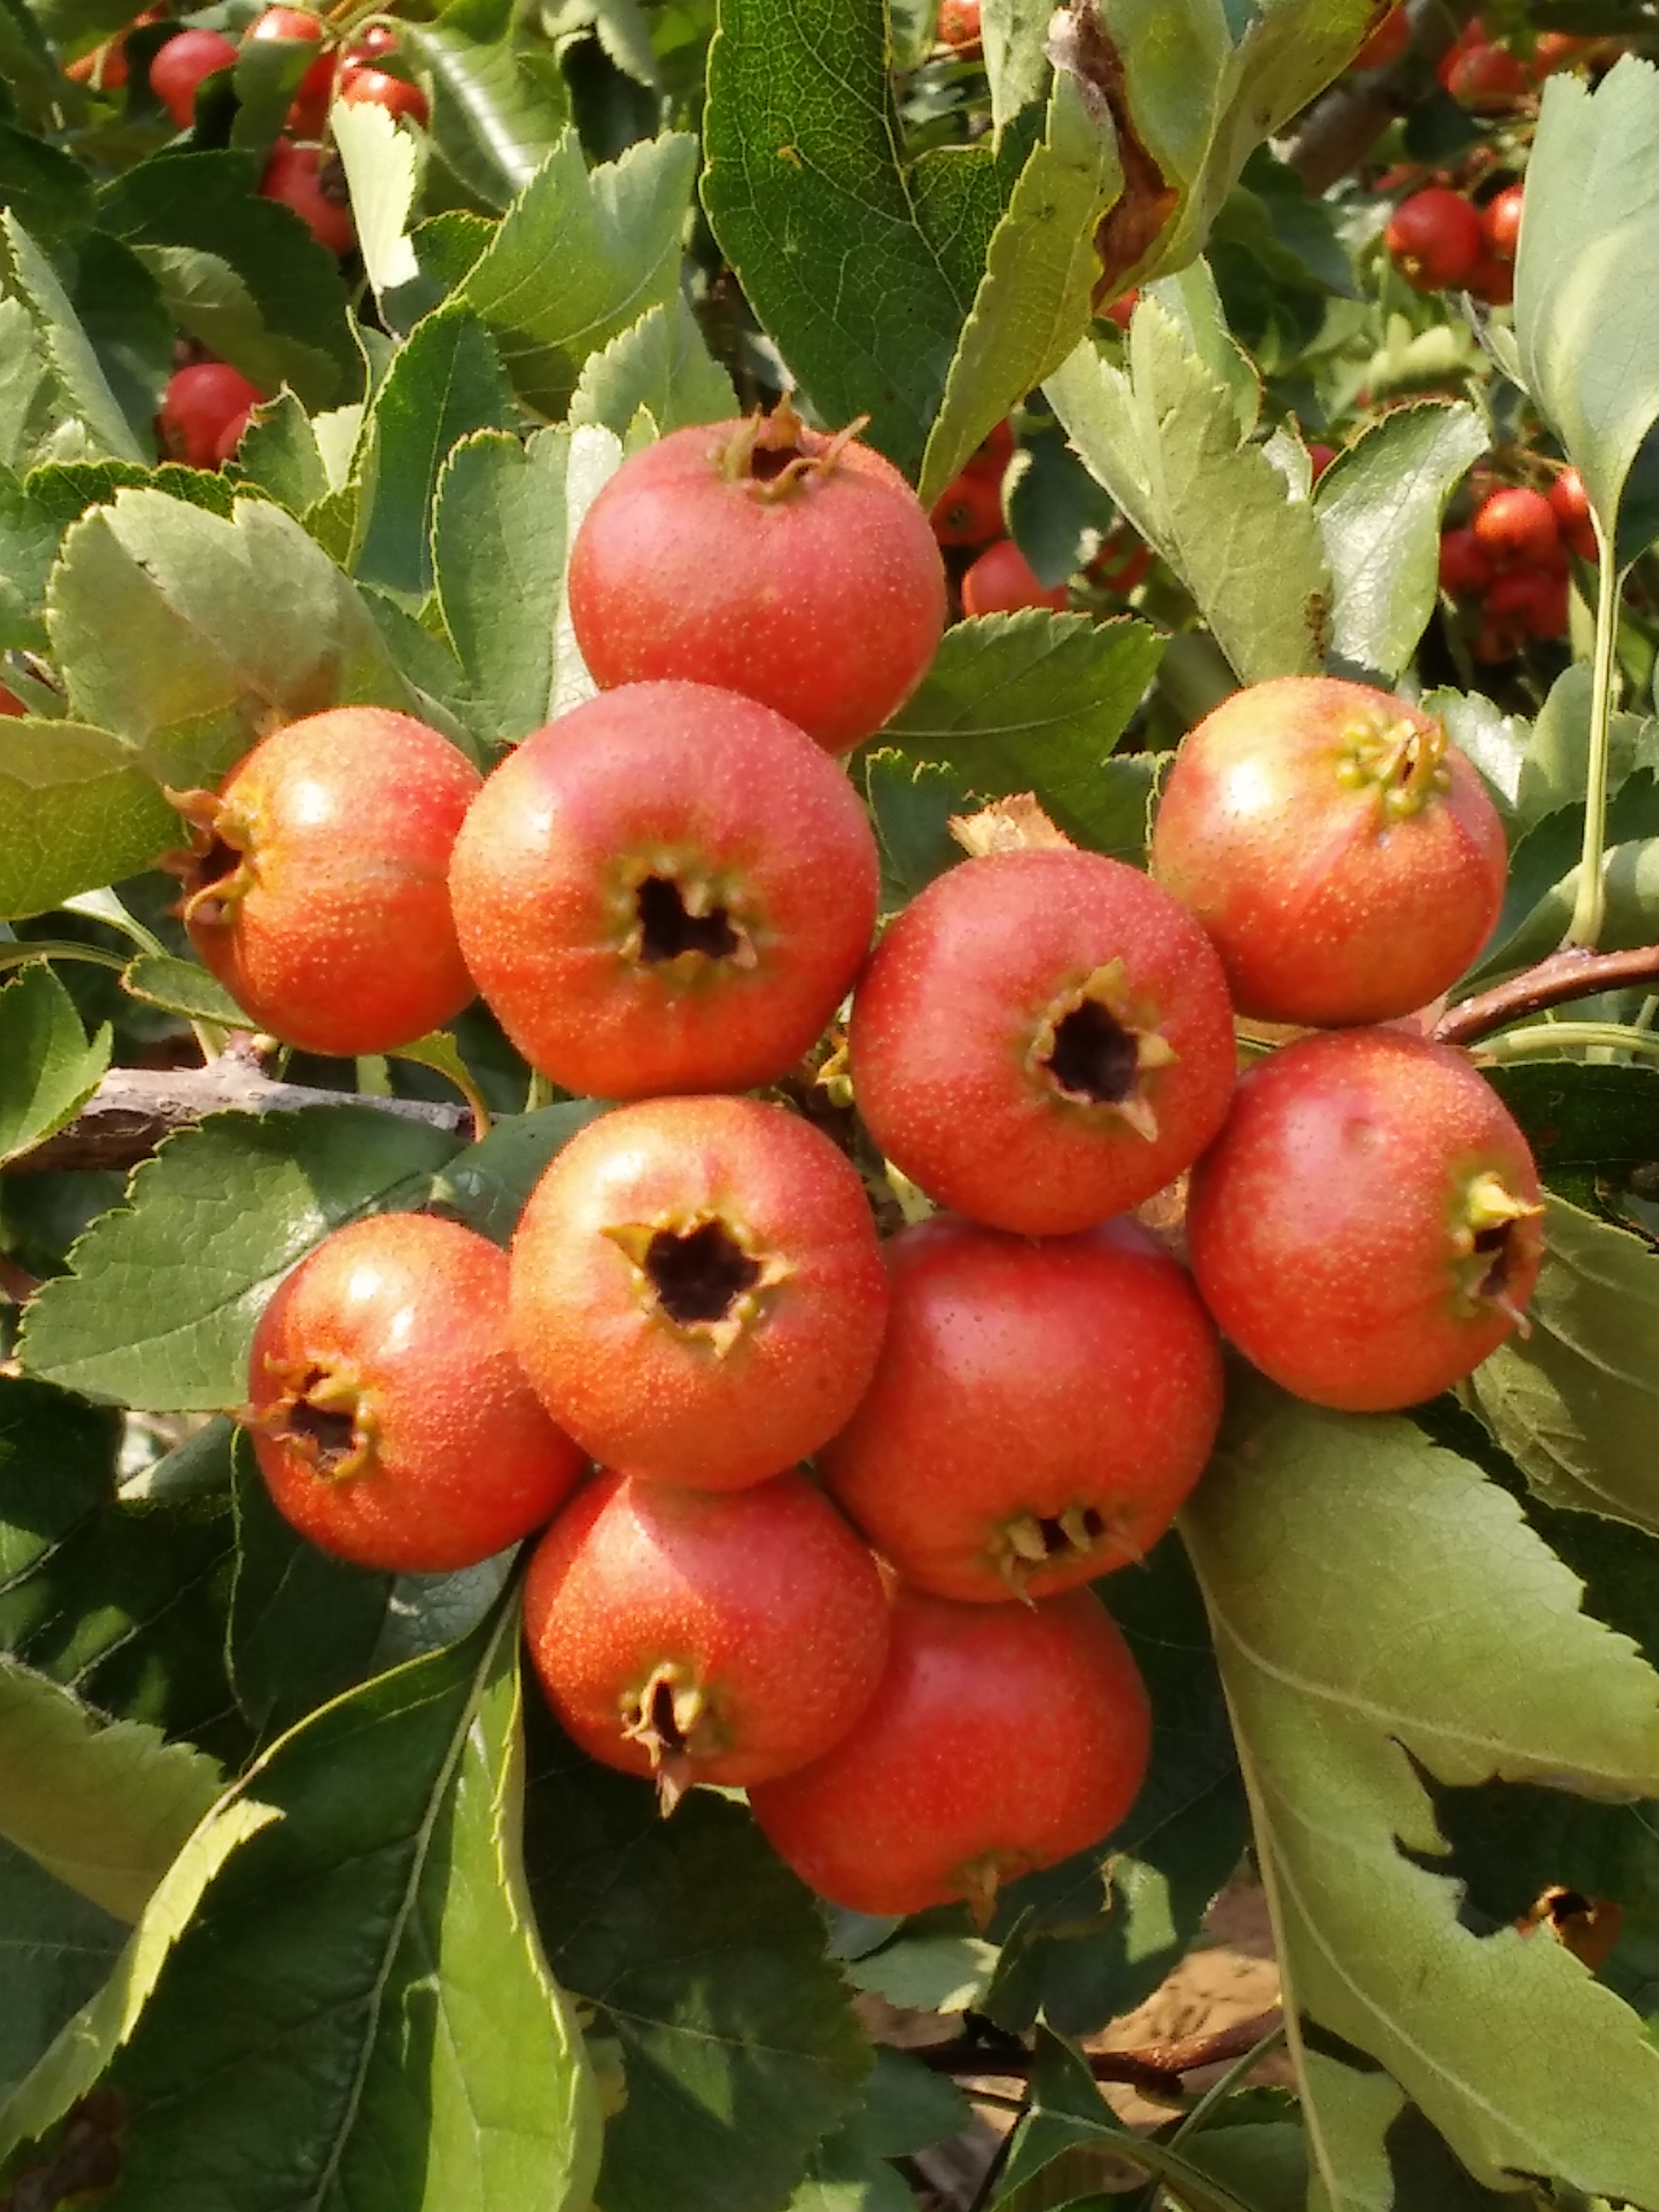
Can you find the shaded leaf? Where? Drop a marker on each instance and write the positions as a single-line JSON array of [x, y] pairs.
[[486, 1186], [180, 987], [280, 453], [56, 1949], [495, 122], [659, 363], [47, 1069], [81, 810], [73, 357], [26, 387], [913, 803]]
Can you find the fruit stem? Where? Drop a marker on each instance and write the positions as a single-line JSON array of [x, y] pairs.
[[1546, 1038], [1590, 906]]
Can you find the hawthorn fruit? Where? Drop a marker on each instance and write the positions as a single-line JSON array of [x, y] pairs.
[[182, 65], [1002, 580], [1517, 525], [373, 87], [309, 113], [1435, 238], [313, 184], [199, 406]]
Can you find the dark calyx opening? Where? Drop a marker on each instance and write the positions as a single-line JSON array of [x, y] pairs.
[[698, 1276], [1057, 1541], [334, 1434], [1094, 1056], [218, 861], [661, 1723], [1494, 1244], [767, 462], [667, 930]]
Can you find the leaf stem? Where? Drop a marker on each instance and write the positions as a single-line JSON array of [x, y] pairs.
[[1546, 1038], [1590, 906], [1553, 982], [1229, 2081]]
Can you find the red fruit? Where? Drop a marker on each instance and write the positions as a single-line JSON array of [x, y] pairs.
[[1465, 571], [705, 1637], [997, 450], [1002, 1739], [1340, 851], [1121, 564], [1569, 503], [372, 45], [106, 66], [1365, 1230], [316, 891], [10, 703], [309, 112], [389, 1417], [1039, 1413], [1435, 238], [1492, 279], [373, 87], [1516, 526], [969, 511], [1002, 580], [1042, 1039], [1501, 221], [766, 558], [313, 184], [198, 406], [230, 437], [959, 28], [1529, 602], [1122, 311], [183, 65], [1320, 457], [697, 1292], [669, 889], [1559, 50], [1387, 43], [1485, 77]]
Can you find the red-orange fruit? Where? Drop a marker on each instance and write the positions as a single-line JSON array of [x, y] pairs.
[[390, 1419], [1002, 1739], [1002, 581], [705, 1637], [312, 184]]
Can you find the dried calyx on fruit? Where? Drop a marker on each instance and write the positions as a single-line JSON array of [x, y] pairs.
[[699, 1273]]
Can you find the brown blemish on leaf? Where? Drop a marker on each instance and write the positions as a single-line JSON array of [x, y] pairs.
[[1078, 44]]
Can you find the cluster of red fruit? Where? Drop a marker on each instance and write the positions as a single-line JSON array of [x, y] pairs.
[[1511, 559], [1482, 73], [1000, 580], [664, 896], [1439, 239]]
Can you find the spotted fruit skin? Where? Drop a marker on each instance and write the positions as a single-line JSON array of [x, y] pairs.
[[322, 903], [1024, 1380], [398, 1322], [1332, 896], [1326, 1226], [710, 1405], [1002, 1739], [823, 598], [761, 1605], [947, 1030], [653, 784]]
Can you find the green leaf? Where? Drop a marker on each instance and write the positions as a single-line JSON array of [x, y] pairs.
[[495, 121], [1570, 1402], [180, 987], [1033, 702], [444, 384], [279, 452], [103, 1806], [1344, 1680], [706, 1965], [929, 1973], [579, 257], [1168, 447], [128, 327], [382, 166], [1378, 508], [47, 1069], [906, 2107], [1587, 337], [27, 383], [56, 1949], [1375, 2150], [486, 1186], [863, 271], [1014, 31], [72, 357], [28, 546], [1495, 742], [164, 1293], [359, 2012], [913, 803], [190, 634], [1032, 305], [1583, 1120], [80, 809], [659, 363], [48, 191]]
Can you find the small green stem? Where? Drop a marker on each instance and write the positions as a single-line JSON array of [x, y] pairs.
[[1590, 906], [539, 1092], [1546, 1038]]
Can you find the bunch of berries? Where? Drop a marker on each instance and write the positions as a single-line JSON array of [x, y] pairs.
[[1512, 560], [1441, 240]]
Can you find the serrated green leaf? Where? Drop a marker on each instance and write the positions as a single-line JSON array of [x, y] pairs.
[[486, 1186], [180, 987], [1033, 702], [56, 1949], [1167, 448], [1494, 741], [1013, 32], [1582, 1117], [127, 325], [1057, 514], [162, 1303], [1343, 1681], [913, 803], [381, 166], [50, 193], [1378, 508], [1555, 770], [280, 452], [47, 1069], [661, 363], [26, 386], [929, 1973], [495, 121], [81, 810], [708, 1965], [1377, 2152], [266, 75], [213, 302], [1570, 1401], [73, 357], [905, 2107], [189, 634], [28, 546], [103, 1806], [1193, 302], [579, 257]]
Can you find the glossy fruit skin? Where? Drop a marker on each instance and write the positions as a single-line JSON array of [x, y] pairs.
[[1435, 238], [1002, 1739], [1465, 571], [373, 87], [309, 112], [197, 406], [1339, 885], [969, 511], [954, 1027], [1501, 220], [181, 66], [324, 906], [1516, 525], [1027, 1379], [821, 595], [230, 437], [406, 1316], [1322, 1224], [1002, 580], [1569, 503], [313, 185], [370, 46], [1528, 603], [654, 783], [959, 27], [1492, 279], [1387, 43], [10, 704], [1485, 77], [713, 1405], [761, 1606]]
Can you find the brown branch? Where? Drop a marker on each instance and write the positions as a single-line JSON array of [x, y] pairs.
[[1342, 127], [134, 1108], [1157, 2068], [1553, 982]]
